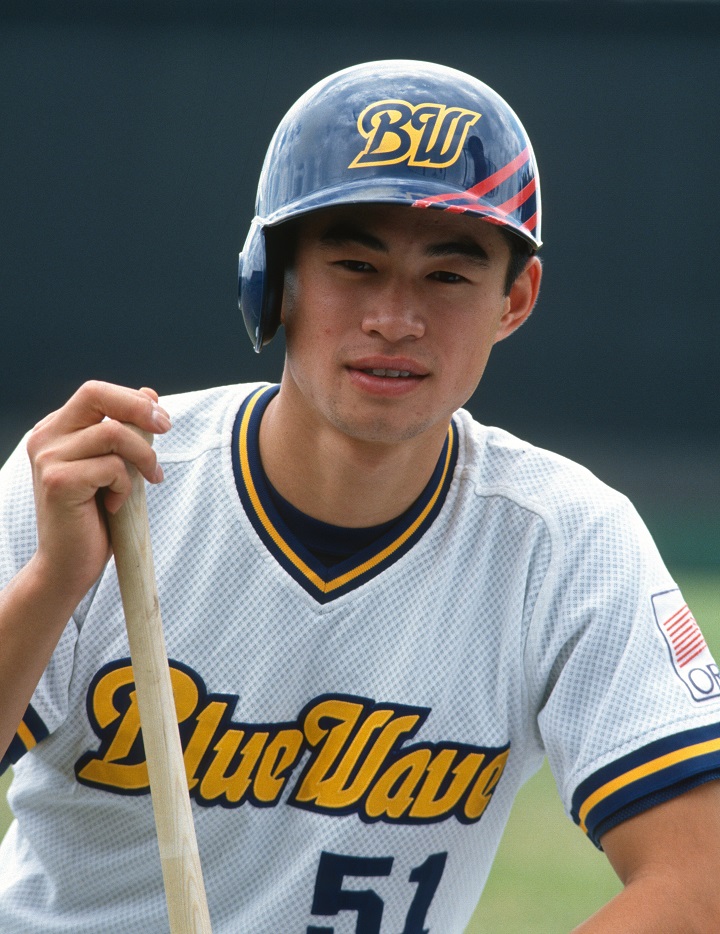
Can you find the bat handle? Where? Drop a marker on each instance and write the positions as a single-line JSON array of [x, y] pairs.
[[179, 857]]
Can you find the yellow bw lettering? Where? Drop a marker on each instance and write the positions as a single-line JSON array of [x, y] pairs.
[[482, 791], [279, 756], [412, 785], [117, 764], [223, 762], [208, 721], [430, 804], [430, 135], [327, 782], [218, 780], [355, 754]]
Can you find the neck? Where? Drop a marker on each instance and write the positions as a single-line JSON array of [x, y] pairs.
[[339, 479]]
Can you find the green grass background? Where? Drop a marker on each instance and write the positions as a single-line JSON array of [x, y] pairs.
[[547, 876]]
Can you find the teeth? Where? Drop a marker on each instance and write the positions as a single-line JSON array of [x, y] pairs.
[[393, 373]]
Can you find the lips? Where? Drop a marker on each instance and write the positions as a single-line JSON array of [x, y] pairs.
[[386, 377], [389, 367]]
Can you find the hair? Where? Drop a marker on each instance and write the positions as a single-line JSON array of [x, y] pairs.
[[520, 253]]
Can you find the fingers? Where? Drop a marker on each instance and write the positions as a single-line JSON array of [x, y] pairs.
[[97, 444], [95, 401], [149, 392], [68, 486], [91, 425], [80, 456], [85, 446]]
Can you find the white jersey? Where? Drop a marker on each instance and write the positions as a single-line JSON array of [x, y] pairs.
[[353, 737]]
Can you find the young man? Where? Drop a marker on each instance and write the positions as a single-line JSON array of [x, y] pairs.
[[380, 614]]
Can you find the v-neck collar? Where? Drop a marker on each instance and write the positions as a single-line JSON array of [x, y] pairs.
[[323, 583]]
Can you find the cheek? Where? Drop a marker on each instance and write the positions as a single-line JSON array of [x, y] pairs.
[[467, 360], [472, 367], [308, 333], [315, 322]]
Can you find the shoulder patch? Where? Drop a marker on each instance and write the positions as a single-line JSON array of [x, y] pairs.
[[689, 654]]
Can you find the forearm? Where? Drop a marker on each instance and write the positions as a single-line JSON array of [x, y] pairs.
[[652, 904], [34, 610], [668, 858]]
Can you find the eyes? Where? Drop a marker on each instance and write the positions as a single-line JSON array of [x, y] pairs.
[[354, 265], [449, 277], [438, 275]]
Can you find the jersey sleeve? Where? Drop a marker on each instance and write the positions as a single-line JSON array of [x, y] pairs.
[[18, 541], [627, 690]]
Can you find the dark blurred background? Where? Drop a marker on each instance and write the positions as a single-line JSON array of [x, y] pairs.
[[132, 134]]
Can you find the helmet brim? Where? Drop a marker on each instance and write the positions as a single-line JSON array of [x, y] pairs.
[[403, 191]]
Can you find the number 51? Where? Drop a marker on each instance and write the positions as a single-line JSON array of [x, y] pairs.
[[330, 898]]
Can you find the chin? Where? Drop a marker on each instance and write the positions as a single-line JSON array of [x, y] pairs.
[[383, 430]]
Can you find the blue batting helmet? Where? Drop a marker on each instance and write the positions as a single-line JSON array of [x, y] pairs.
[[399, 132]]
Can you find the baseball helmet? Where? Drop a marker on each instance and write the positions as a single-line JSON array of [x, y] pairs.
[[396, 132]]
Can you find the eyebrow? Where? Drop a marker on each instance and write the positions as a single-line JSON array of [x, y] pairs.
[[466, 247], [342, 233]]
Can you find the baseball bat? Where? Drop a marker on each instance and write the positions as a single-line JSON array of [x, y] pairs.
[[179, 857]]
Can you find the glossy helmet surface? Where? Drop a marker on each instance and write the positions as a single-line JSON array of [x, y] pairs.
[[400, 132]]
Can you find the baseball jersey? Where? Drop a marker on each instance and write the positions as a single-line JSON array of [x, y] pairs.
[[354, 734]]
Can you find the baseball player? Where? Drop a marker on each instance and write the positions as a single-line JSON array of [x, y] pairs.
[[381, 615]]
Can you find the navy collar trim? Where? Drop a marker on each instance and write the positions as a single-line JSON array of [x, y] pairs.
[[321, 582]]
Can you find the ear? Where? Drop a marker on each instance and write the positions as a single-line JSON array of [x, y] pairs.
[[521, 300]]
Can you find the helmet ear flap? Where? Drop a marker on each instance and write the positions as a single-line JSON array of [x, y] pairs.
[[260, 278], [261, 270], [251, 280], [277, 256]]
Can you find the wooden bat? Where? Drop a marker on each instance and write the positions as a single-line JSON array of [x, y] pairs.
[[179, 857]]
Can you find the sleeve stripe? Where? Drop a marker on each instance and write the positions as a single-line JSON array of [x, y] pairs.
[[31, 730], [26, 737], [652, 767]]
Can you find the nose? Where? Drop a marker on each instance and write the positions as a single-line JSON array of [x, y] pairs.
[[395, 314]]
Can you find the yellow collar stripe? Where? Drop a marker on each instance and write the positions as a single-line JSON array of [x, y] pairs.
[[330, 585], [257, 505]]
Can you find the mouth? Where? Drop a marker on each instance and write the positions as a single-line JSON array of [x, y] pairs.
[[389, 367], [393, 374], [386, 377]]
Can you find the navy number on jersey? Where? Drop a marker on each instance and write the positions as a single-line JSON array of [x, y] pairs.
[[331, 898]]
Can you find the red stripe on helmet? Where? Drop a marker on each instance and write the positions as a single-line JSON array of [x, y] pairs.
[[482, 187], [530, 223], [520, 198], [492, 181]]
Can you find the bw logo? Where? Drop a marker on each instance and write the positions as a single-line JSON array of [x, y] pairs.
[[428, 135]]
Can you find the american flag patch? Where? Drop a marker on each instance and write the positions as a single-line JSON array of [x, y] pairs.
[[689, 654]]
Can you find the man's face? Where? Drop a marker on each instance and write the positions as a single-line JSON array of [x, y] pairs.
[[390, 315]]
